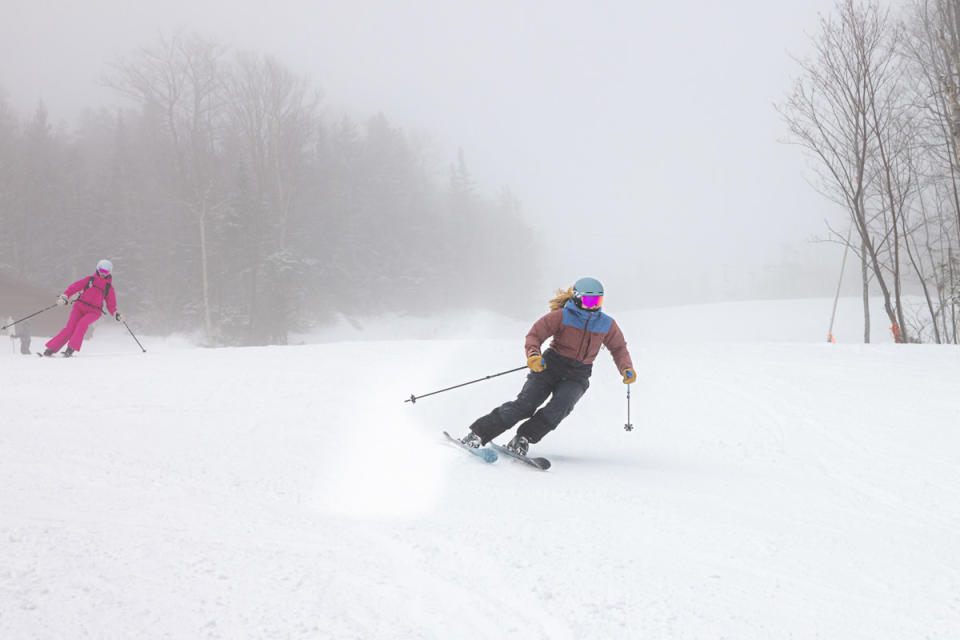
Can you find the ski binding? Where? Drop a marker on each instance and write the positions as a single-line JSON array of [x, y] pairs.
[[540, 463], [484, 453]]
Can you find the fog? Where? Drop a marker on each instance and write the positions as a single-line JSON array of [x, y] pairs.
[[640, 137]]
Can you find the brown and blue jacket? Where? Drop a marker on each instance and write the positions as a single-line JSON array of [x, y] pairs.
[[577, 337]]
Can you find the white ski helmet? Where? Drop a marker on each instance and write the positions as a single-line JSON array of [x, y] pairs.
[[105, 265]]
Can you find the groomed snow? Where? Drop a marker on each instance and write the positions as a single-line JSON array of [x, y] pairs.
[[775, 486]]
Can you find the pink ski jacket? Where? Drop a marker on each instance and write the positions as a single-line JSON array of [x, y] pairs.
[[92, 296]]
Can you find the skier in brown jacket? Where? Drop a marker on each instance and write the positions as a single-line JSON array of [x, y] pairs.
[[578, 328]]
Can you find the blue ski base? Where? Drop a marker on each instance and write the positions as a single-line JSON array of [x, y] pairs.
[[484, 453]]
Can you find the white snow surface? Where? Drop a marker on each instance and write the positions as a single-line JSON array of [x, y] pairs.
[[775, 486]]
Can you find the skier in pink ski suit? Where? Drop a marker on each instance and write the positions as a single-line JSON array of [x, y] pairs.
[[87, 308]]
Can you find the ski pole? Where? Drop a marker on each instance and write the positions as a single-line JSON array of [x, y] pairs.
[[413, 399], [29, 316], [629, 425], [134, 337]]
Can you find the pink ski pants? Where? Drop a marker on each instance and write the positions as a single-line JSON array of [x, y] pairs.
[[81, 317]]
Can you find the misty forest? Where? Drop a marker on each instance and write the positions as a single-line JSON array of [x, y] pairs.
[[232, 204]]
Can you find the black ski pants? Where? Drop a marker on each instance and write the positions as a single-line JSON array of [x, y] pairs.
[[564, 382]]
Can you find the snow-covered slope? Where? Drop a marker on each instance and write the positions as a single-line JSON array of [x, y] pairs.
[[777, 488]]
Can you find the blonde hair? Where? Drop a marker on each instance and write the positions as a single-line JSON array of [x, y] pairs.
[[561, 298]]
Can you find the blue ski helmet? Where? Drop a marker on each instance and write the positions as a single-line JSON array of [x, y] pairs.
[[588, 293]]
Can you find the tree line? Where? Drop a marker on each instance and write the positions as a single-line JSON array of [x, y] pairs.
[[231, 203], [877, 106]]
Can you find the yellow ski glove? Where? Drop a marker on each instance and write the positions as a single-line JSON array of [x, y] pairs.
[[536, 362], [629, 376]]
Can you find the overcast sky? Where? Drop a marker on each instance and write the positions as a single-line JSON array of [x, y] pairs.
[[640, 136]]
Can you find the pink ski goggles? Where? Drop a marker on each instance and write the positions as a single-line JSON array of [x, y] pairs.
[[591, 302], [103, 272]]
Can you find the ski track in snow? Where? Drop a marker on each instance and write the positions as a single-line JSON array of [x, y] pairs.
[[769, 490]]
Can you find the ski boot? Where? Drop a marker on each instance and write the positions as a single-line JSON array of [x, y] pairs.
[[48, 352], [519, 445], [472, 440], [68, 352]]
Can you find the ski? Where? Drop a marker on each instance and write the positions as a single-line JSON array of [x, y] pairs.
[[540, 463], [485, 454]]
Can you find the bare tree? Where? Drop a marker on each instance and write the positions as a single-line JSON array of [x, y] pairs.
[[273, 114], [8, 205], [933, 49], [179, 78], [838, 111]]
